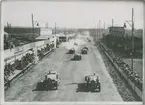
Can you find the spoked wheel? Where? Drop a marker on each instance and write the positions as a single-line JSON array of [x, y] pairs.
[[99, 87], [56, 88]]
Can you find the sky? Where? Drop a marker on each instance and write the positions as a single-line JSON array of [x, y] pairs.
[[77, 14]]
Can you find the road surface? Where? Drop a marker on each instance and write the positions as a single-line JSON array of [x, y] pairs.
[[72, 75]]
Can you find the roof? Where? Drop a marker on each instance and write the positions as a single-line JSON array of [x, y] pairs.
[[44, 36], [116, 27], [5, 33], [51, 76], [60, 35]]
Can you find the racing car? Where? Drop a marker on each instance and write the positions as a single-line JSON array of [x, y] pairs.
[[92, 83], [71, 51], [51, 81], [84, 51], [86, 48], [77, 57], [75, 43]]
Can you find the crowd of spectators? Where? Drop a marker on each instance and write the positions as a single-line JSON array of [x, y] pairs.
[[18, 64], [21, 64], [41, 53], [131, 74]]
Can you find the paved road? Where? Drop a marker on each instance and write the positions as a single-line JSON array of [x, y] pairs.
[[72, 75]]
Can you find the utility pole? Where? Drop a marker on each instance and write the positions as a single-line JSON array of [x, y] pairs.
[[104, 32], [96, 31], [9, 38], [32, 26], [112, 26], [34, 47], [112, 22], [104, 25], [99, 28], [55, 28], [132, 38], [55, 37]]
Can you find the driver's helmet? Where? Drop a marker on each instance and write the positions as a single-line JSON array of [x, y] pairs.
[[49, 72], [45, 77]]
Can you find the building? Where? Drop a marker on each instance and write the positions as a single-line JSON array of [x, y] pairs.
[[45, 34], [61, 37], [117, 31]]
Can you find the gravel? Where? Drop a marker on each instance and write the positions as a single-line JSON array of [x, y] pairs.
[[124, 90]]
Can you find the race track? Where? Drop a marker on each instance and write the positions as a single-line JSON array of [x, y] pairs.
[[72, 75]]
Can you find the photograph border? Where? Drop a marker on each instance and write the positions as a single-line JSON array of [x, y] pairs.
[[65, 103]]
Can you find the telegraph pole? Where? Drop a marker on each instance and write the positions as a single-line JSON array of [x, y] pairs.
[[99, 28], [32, 26], [34, 47], [104, 25], [55, 36], [96, 30], [112, 22], [132, 39], [104, 32], [55, 28]]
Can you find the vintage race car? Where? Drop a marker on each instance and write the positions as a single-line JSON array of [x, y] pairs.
[[86, 48], [75, 43], [84, 51], [92, 83], [89, 40], [71, 51], [51, 81], [77, 57]]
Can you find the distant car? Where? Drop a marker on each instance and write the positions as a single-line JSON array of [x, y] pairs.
[[89, 40], [84, 51], [77, 57], [86, 48], [75, 43], [71, 51], [92, 83], [51, 81]]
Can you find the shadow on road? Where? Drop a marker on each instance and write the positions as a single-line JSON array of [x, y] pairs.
[[83, 88], [72, 59], [69, 53], [71, 84], [39, 87]]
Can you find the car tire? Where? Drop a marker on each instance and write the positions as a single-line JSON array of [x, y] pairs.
[[99, 87], [80, 57], [56, 88]]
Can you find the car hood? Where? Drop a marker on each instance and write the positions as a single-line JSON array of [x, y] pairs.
[[52, 77]]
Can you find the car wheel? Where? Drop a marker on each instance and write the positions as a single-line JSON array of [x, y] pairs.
[[99, 87], [56, 88]]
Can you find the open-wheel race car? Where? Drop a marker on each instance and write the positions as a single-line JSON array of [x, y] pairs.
[[92, 83], [86, 48], [75, 43], [89, 40], [51, 81], [77, 57], [71, 51], [84, 51]]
